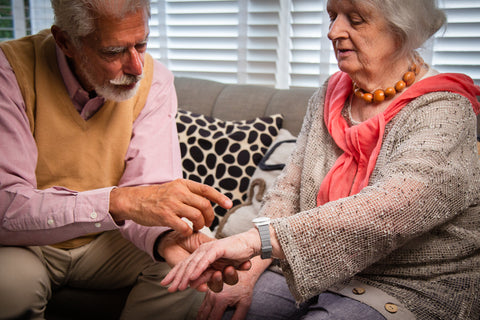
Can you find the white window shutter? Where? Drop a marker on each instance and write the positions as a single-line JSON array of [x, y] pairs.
[[41, 15], [280, 43], [307, 46], [263, 41], [19, 21], [202, 38], [457, 48]]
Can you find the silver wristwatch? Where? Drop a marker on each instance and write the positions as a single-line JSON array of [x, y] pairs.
[[263, 224]]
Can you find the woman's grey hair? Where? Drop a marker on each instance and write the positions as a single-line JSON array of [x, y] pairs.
[[412, 21], [77, 17]]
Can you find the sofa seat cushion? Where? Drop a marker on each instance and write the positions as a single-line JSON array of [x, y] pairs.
[[224, 154]]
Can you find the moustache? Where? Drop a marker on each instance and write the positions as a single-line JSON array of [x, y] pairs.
[[126, 80]]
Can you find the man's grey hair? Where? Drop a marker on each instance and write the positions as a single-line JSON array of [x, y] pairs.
[[77, 17], [413, 22]]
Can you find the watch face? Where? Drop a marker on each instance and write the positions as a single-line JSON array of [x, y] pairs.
[[261, 220]]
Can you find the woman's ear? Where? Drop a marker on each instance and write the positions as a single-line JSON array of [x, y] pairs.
[[63, 41]]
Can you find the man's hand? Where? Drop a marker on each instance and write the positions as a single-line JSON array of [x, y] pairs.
[[166, 204], [238, 296], [174, 248]]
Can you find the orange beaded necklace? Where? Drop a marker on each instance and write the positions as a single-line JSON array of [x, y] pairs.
[[380, 95]]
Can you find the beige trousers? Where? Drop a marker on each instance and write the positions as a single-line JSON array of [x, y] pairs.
[[28, 275]]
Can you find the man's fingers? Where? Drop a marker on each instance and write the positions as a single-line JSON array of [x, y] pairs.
[[202, 288], [180, 226], [195, 202], [210, 193], [230, 275], [202, 280], [193, 205], [216, 282], [205, 308], [245, 266], [241, 311], [215, 279], [218, 309], [189, 210]]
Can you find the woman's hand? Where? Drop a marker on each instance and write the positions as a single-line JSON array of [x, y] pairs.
[[204, 266], [175, 247]]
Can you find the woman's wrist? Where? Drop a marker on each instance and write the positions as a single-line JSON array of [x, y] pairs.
[[277, 251], [255, 243]]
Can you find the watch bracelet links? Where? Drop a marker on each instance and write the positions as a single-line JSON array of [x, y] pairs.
[[264, 231]]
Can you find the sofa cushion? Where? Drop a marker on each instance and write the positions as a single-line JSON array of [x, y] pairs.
[[224, 154], [239, 218]]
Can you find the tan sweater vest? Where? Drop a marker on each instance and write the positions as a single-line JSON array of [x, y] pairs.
[[73, 153]]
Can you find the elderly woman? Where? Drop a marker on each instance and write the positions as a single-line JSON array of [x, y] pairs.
[[376, 214]]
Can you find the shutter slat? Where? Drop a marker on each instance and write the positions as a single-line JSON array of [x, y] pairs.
[[269, 42]]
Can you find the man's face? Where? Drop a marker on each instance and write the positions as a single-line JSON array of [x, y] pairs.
[[110, 60]]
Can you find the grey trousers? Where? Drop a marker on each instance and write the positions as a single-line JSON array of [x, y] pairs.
[[28, 275], [272, 300]]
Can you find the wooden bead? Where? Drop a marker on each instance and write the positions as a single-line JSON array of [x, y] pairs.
[[368, 97], [390, 92], [400, 85], [378, 96], [409, 78], [358, 93]]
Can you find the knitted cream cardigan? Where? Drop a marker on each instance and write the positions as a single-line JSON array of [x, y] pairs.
[[414, 232]]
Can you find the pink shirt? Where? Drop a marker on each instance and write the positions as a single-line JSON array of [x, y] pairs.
[[30, 216]]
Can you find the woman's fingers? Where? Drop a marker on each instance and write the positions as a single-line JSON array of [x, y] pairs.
[[182, 274], [208, 265]]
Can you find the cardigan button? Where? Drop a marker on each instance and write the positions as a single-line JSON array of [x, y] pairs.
[[390, 307], [358, 290]]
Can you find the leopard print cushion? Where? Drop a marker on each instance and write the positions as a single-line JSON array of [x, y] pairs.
[[224, 154]]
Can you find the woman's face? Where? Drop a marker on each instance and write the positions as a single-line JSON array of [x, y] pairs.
[[361, 39]]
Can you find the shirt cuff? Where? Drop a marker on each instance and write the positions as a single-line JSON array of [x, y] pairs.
[[156, 255]]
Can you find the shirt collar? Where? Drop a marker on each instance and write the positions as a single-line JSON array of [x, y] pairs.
[[78, 95]]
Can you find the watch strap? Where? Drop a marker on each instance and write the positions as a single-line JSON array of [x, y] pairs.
[[266, 250]]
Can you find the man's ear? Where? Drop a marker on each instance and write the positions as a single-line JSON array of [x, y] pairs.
[[63, 41]]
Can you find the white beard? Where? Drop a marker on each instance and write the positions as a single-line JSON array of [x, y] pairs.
[[111, 90]]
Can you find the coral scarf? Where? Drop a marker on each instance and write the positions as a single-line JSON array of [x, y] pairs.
[[361, 143]]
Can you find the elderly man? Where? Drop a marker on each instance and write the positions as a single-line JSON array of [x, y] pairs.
[[90, 165]]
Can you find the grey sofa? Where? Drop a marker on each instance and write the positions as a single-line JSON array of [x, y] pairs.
[[223, 101]]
